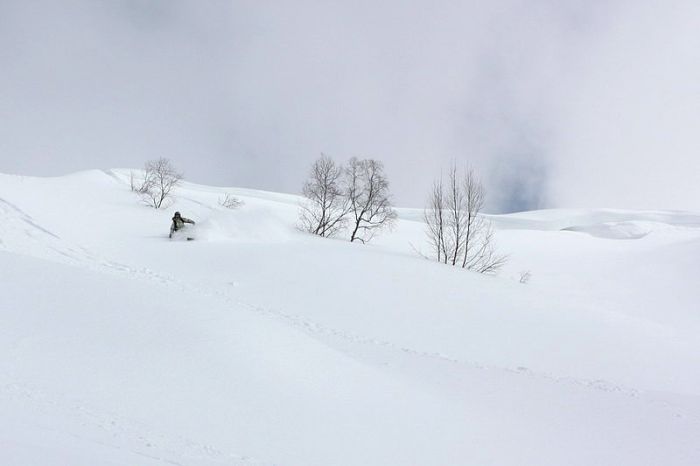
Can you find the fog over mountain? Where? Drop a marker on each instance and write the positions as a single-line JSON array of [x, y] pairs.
[[556, 103]]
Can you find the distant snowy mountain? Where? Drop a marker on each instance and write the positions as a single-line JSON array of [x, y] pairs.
[[257, 344]]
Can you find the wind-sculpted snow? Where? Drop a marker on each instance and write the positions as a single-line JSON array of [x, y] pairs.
[[256, 344], [580, 219], [621, 230]]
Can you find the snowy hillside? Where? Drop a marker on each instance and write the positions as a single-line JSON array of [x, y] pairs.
[[260, 345]]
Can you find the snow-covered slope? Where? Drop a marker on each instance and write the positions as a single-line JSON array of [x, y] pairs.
[[260, 345]]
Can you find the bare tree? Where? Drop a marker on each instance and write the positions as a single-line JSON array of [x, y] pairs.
[[434, 218], [447, 219], [324, 211], [458, 234], [476, 246], [457, 224], [160, 177], [367, 191], [230, 201]]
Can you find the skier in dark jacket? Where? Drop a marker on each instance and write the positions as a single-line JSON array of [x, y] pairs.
[[179, 223]]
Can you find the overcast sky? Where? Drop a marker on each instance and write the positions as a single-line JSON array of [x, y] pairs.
[[555, 103]]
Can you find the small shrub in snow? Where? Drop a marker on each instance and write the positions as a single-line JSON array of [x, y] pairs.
[[230, 202], [525, 276], [133, 183]]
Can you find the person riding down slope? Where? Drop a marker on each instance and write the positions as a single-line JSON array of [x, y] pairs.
[[179, 223]]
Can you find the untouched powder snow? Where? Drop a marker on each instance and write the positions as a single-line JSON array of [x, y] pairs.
[[257, 344]]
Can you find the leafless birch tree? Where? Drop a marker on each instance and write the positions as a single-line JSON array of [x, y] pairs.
[[458, 234], [434, 217], [456, 217], [367, 191], [325, 208], [159, 179]]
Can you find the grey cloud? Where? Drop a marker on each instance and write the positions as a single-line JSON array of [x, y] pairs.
[[551, 101]]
